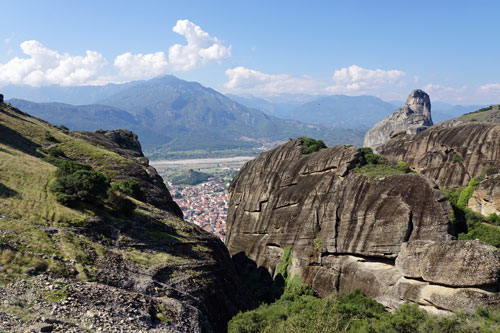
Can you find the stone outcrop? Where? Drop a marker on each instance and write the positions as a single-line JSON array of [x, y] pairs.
[[451, 263], [486, 197], [451, 156], [389, 237], [414, 117]]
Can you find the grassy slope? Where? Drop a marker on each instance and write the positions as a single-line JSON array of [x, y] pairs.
[[28, 208]]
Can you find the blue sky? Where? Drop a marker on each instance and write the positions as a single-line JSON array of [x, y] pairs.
[[265, 48]]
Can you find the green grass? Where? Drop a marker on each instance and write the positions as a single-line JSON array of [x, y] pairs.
[[378, 171]]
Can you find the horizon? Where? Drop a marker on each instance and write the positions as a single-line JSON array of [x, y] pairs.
[[261, 49]]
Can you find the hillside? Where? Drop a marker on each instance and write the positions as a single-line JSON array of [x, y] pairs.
[[489, 114], [92, 240]]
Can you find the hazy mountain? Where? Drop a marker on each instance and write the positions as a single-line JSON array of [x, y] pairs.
[[79, 117], [71, 95], [280, 110], [344, 111], [178, 115]]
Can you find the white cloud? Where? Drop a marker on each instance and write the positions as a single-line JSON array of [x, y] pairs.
[[447, 94], [357, 80], [46, 67], [141, 66], [353, 80], [490, 88], [200, 48], [242, 79]]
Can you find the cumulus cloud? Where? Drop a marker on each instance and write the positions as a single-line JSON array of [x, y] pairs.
[[353, 80], [141, 66], [358, 80], [200, 48], [490, 87], [46, 67], [242, 79], [447, 94]]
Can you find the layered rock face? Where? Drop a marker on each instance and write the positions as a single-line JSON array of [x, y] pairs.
[[452, 156], [347, 231], [414, 117]]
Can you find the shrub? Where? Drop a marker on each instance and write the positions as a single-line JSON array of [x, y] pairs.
[[368, 157], [82, 185], [456, 158], [55, 152], [130, 187], [121, 205], [67, 167], [310, 145]]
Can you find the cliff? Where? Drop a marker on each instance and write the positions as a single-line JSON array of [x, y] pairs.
[[377, 227], [122, 261], [414, 117]]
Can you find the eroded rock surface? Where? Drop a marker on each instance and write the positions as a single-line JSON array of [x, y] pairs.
[[451, 156], [389, 237], [414, 117], [462, 263]]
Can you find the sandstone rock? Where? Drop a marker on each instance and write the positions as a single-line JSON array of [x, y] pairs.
[[414, 117], [486, 198], [302, 198], [461, 264], [410, 257], [451, 156], [389, 237], [452, 263]]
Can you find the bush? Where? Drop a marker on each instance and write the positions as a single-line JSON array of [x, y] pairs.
[[55, 152], [368, 157], [122, 205], [130, 187], [310, 145], [67, 167], [82, 185]]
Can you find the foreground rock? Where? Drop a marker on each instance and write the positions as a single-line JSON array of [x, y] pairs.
[[414, 117], [348, 230]]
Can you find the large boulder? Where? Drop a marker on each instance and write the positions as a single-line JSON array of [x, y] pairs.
[[414, 117], [462, 263]]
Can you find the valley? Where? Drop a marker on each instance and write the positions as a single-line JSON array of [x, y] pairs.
[[205, 203]]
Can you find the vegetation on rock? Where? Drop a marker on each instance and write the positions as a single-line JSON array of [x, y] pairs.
[[297, 311], [375, 167], [309, 145]]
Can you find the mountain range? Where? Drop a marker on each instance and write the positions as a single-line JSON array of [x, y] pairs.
[[173, 115], [170, 114]]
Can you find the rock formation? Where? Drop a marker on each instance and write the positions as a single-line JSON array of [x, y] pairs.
[[348, 230], [413, 117]]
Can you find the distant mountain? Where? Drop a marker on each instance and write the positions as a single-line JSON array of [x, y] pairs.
[[443, 111], [177, 115], [70, 95], [344, 111], [79, 117], [280, 110]]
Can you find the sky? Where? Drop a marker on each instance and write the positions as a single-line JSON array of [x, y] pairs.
[[268, 49]]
